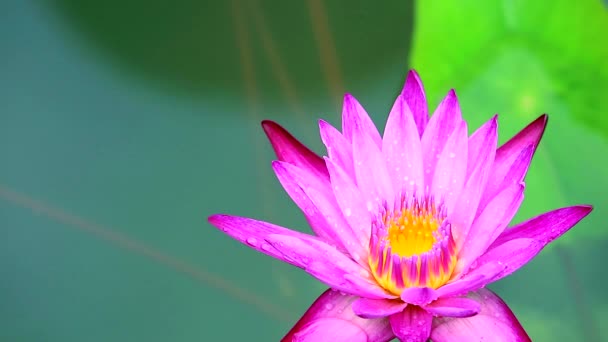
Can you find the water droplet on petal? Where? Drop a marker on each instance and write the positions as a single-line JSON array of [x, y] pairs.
[[452, 154], [370, 205], [252, 241], [265, 247], [347, 212], [329, 306]]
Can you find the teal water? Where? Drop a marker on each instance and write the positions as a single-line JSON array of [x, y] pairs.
[[109, 172]]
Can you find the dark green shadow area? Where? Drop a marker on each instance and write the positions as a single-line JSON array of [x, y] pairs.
[[192, 45]]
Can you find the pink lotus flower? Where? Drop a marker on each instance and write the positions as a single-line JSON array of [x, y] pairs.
[[410, 226]]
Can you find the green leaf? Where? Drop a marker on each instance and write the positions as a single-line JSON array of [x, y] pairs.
[[456, 42], [521, 59]]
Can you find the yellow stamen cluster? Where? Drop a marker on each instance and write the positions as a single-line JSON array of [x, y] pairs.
[[410, 231]]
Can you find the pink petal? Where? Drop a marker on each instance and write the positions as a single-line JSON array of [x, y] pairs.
[[329, 330], [512, 154], [494, 322], [292, 180], [511, 255], [482, 149], [325, 209], [331, 318], [413, 93], [289, 149], [351, 203], [418, 295], [254, 233], [453, 307], [339, 149], [355, 117], [328, 265], [489, 225], [412, 324], [402, 149], [530, 135], [481, 144], [451, 168], [513, 175], [476, 278], [519, 244], [376, 308], [370, 169], [349, 237], [548, 226], [439, 128]]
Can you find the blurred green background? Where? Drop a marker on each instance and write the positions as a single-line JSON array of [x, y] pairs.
[[123, 125]]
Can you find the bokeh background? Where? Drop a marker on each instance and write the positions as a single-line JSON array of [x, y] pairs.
[[123, 125]]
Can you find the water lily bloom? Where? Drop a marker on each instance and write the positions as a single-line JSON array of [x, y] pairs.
[[409, 227]]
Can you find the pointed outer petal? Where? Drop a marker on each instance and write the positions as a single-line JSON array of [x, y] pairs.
[[482, 149], [339, 149], [482, 143], [344, 233], [454, 307], [514, 174], [253, 233], [412, 324], [489, 225], [439, 128], [530, 135], [329, 330], [351, 202], [289, 149], [323, 210], [510, 154], [473, 280], [519, 244], [451, 168], [413, 93], [402, 149], [494, 322], [546, 227], [370, 170], [327, 264], [291, 182], [418, 295], [512, 255], [355, 117], [376, 308], [332, 311]]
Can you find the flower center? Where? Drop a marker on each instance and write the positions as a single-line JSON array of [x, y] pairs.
[[412, 231], [412, 246]]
